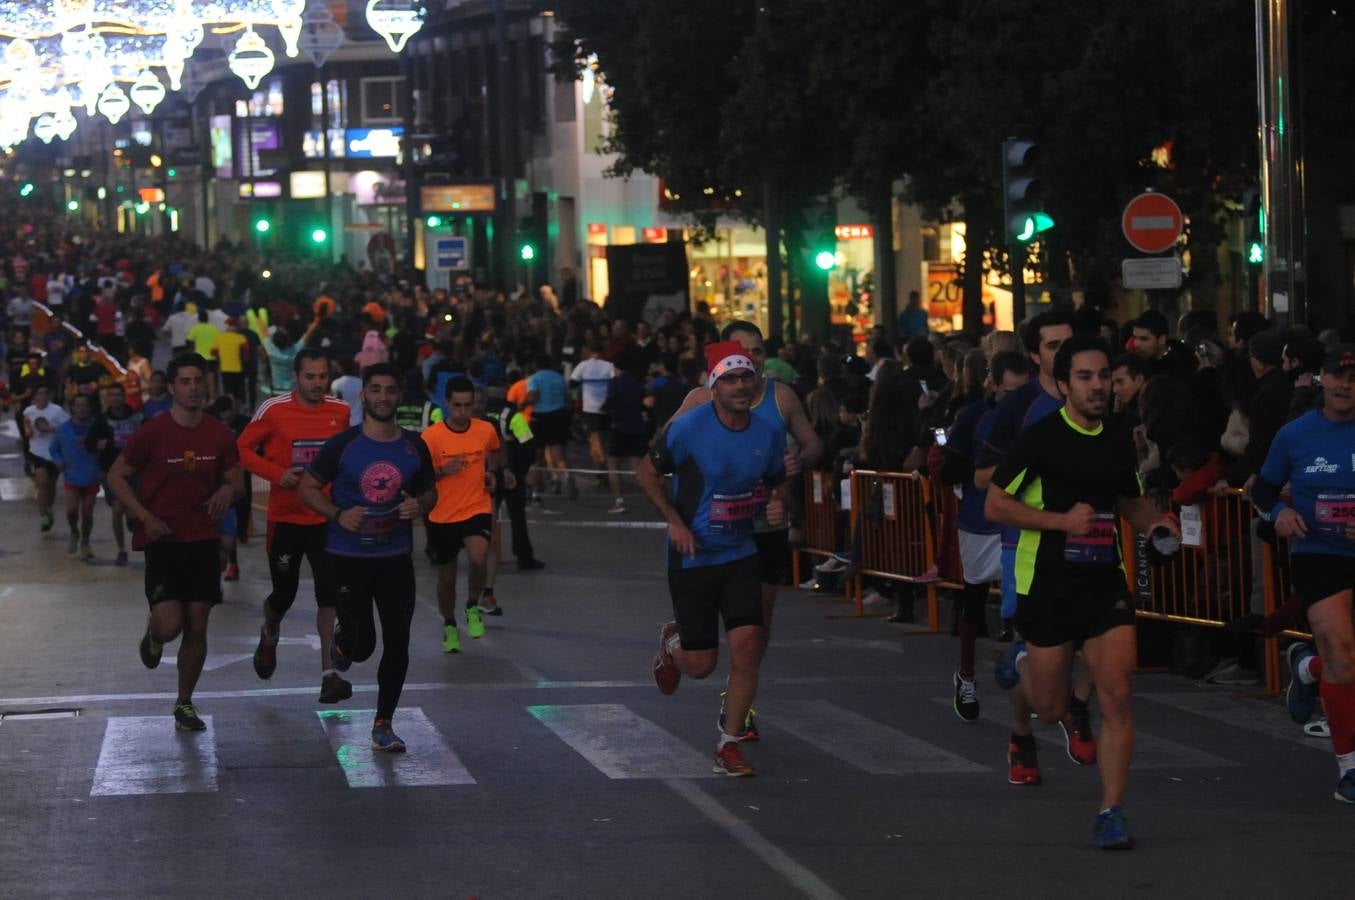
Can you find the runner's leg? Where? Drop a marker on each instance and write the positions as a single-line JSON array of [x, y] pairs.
[[1111, 658], [193, 647], [746, 644], [1334, 632], [447, 574], [477, 557], [394, 597]]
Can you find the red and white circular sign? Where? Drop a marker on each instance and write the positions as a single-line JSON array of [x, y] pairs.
[[1151, 222]]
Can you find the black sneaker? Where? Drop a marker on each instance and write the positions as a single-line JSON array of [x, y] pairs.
[[334, 688], [266, 654], [186, 718], [530, 564], [151, 651], [966, 698], [573, 489]]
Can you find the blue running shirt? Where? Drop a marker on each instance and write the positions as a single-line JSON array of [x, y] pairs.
[[377, 475], [1316, 457]]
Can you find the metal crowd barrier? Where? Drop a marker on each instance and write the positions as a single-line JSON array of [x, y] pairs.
[[893, 533], [821, 537]]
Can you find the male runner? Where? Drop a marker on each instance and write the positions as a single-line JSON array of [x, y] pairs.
[[1315, 455], [188, 475], [466, 454], [1022, 408], [719, 456], [41, 420], [108, 438], [382, 479], [286, 433], [80, 471], [1063, 483], [778, 405]]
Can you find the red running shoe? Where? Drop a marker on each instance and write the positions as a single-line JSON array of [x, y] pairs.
[[1024, 762], [729, 761], [232, 573], [1077, 733], [666, 674]]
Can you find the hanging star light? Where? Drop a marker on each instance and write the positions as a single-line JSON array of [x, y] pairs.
[[320, 35], [289, 15], [395, 20], [147, 91], [251, 59]]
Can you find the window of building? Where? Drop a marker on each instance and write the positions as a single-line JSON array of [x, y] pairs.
[[564, 101], [267, 100], [338, 103], [381, 101]]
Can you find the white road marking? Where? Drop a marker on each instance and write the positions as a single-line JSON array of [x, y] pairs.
[[621, 744], [801, 878], [1269, 719], [1150, 751], [575, 523], [213, 662], [865, 743], [428, 760], [145, 755]]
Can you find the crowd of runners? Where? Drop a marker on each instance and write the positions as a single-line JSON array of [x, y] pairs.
[[365, 406]]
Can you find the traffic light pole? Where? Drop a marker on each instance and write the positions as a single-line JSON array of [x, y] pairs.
[[771, 216], [1016, 260], [1283, 271]]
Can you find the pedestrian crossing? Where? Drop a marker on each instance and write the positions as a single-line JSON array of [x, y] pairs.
[[143, 755]]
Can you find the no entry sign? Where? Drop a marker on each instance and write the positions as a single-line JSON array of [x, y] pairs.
[[1151, 222]]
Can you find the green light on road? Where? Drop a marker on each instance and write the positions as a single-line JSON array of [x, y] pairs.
[[433, 221], [73, 205], [1032, 225], [319, 236], [825, 260], [262, 226]]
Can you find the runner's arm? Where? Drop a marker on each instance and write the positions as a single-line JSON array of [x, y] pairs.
[[119, 483], [1144, 516], [1005, 509], [797, 423], [312, 493], [256, 434]]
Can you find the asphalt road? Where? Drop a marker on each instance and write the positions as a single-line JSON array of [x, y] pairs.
[[544, 763]]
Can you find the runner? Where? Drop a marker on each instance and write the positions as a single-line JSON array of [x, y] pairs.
[[467, 454], [107, 439], [1310, 455], [188, 476], [41, 420], [803, 449], [594, 375], [1063, 484], [721, 457], [382, 479], [158, 399], [286, 433], [80, 472]]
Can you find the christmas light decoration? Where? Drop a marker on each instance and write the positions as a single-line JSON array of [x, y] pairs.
[[395, 20]]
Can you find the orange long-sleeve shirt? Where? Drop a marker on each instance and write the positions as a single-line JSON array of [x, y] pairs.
[[284, 435]]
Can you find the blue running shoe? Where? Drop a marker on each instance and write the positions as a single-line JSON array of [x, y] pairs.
[[384, 739], [341, 663], [1345, 790], [1299, 698], [1004, 670], [1112, 831]]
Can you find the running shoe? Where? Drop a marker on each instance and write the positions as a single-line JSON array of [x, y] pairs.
[[86, 552], [186, 718], [475, 625], [489, 604], [451, 639], [1345, 789], [265, 654], [1111, 831], [573, 489], [729, 761], [1005, 672], [232, 573], [1023, 762], [750, 732], [666, 673], [966, 698], [1299, 698], [151, 650], [385, 739], [47, 522], [1078, 737], [618, 506], [340, 662], [334, 688], [121, 558], [1320, 728], [72, 542]]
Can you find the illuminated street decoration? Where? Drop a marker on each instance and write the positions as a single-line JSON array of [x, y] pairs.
[[147, 91], [395, 20], [320, 35], [251, 59], [113, 105]]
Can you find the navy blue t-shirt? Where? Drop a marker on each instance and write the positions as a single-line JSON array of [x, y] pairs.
[[1316, 458], [376, 475], [967, 435]]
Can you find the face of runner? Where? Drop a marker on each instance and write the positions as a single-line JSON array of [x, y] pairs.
[[1338, 392], [41, 395], [1088, 385], [312, 382], [81, 409], [752, 342], [189, 388], [734, 390], [1051, 339], [460, 407], [380, 396]]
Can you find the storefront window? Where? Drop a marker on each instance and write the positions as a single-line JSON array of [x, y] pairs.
[[267, 101]]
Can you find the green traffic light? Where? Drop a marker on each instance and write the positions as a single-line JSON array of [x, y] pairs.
[[1032, 225], [528, 253], [262, 226], [826, 260], [73, 205], [27, 189], [1256, 253], [319, 236], [433, 221], [171, 172]]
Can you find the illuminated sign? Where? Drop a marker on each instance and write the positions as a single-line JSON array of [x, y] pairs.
[[311, 147], [222, 154], [465, 198], [597, 228], [655, 235], [260, 190], [307, 185], [151, 194], [851, 232], [368, 143]]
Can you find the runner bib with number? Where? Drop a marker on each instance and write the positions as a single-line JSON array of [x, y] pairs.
[[733, 513], [1334, 513], [1096, 547]]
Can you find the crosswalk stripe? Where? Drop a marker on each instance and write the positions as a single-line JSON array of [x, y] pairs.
[[865, 743], [144, 755], [1265, 718], [1150, 751], [430, 761], [621, 744]]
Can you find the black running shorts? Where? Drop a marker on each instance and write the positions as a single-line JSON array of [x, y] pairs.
[[445, 539], [1075, 613], [705, 595], [1317, 576], [183, 572], [773, 556], [627, 446]]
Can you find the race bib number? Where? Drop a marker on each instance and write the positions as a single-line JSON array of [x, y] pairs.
[[1096, 547], [304, 452], [1334, 513], [733, 513], [122, 432], [379, 525]]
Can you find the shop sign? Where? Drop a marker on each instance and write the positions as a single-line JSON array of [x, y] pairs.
[[655, 235], [463, 198], [260, 190], [151, 194], [1151, 272], [307, 185], [369, 143], [853, 232], [597, 228]]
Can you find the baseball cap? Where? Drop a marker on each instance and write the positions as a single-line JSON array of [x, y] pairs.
[[1339, 357], [725, 357]]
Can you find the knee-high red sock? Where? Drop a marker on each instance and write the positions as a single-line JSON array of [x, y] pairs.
[[1339, 702], [969, 633]]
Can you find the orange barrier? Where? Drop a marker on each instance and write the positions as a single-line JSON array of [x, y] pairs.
[[821, 536], [893, 529]]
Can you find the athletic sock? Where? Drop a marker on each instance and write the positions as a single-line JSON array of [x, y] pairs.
[[675, 644], [1339, 702], [328, 672], [1345, 762], [1310, 670], [488, 591], [449, 623], [726, 739], [231, 556]]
